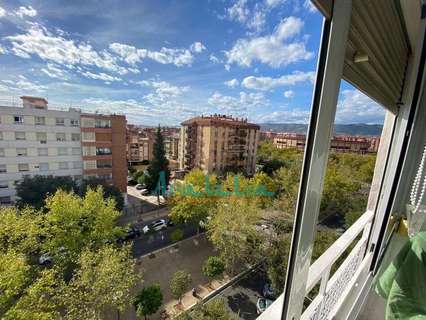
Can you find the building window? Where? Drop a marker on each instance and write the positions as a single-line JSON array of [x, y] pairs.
[[42, 151], [74, 122], [88, 136], [88, 122], [103, 151], [21, 152], [60, 121], [4, 184], [60, 136], [19, 135], [89, 150], [101, 123], [89, 164], [77, 165], [41, 136], [1, 152], [22, 167], [18, 119], [76, 151], [40, 121], [43, 166], [75, 137], [3, 168], [103, 164], [105, 176], [63, 165], [62, 151], [5, 200]]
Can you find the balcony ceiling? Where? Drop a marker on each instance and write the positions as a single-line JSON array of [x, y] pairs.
[[378, 47]]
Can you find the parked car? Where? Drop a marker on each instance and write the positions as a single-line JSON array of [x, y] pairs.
[[262, 304], [155, 226], [267, 290], [45, 259], [145, 192], [140, 186], [131, 233], [170, 223]]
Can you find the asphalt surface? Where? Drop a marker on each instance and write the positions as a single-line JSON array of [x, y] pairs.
[[148, 243]]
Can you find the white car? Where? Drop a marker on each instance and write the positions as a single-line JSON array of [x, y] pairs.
[[45, 259], [155, 226]]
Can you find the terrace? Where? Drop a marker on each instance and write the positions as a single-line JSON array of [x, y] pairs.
[[379, 47]]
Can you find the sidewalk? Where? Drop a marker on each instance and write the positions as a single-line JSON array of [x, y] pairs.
[[162, 212]]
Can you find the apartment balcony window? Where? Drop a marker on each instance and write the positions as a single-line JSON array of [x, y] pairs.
[[23, 167], [18, 120], [88, 122], [42, 151], [4, 184], [43, 166], [100, 123], [20, 135], [89, 136], [21, 152], [74, 123], [63, 165], [41, 137], [75, 137], [62, 151], [3, 168], [89, 151], [103, 151], [103, 164], [60, 136], [60, 121], [40, 121], [1, 152], [5, 200], [89, 164]]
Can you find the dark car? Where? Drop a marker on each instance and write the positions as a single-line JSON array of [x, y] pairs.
[[130, 234], [268, 292]]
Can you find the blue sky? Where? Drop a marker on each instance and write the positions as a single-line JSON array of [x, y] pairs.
[[160, 62]]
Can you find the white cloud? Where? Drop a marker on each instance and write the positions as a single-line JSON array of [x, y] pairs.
[[238, 11], [100, 76], [355, 107], [39, 41], [274, 3], [288, 116], [309, 6], [2, 49], [26, 11], [268, 83], [214, 59], [22, 84], [2, 12], [272, 49], [197, 47], [54, 71], [232, 83], [164, 92], [240, 104], [289, 94], [178, 57]]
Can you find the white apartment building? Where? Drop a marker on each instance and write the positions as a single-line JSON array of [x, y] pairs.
[[37, 141]]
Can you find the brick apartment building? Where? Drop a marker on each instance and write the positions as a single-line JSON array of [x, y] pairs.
[[37, 140], [354, 144], [218, 143]]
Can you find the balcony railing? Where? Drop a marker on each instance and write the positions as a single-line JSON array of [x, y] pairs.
[[332, 291]]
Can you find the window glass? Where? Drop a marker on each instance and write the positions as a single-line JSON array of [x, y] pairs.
[[41, 136], [63, 165], [62, 151], [18, 119], [60, 121], [74, 122], [40, 121], [60, 136], [19, 135], [3, 168], [75, 137], [88, 122], [88, 136], [21, 152], [42, 151], [4, 184], [23, 167]]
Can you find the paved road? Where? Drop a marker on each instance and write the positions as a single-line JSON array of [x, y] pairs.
[[148, 243]]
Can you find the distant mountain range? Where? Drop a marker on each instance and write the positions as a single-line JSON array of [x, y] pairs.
[[355, 129]]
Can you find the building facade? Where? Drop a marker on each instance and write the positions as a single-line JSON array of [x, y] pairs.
[[218, 143], [36, 140], [139, 145], [353, 144]]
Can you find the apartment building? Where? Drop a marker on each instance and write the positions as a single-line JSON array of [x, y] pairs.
[[36, 140], [218, 143], [103, 140], [139, 145], [353, 144]]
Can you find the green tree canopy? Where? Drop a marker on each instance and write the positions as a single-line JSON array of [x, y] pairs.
[[148, 300], [215, 309], [179, 284], [109, 191], [213, 267]]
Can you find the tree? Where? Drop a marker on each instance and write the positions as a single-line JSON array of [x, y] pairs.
[[213, 267], [148, 300], [103, 280], [109, 191], [33, 191], [232, 230], [159, 163], [177, 235], [215, 309], [179, 284]]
